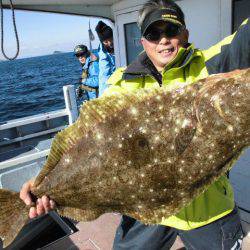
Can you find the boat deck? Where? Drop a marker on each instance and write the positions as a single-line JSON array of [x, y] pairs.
[[99, 234]]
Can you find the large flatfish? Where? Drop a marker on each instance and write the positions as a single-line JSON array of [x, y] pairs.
[[145, 154]]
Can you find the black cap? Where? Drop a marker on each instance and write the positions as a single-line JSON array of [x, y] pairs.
[[166, 14], [103, 31], [81, 50]]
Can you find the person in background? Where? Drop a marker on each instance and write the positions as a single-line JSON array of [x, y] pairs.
[[211, 220], [105, 54], [90, 72]]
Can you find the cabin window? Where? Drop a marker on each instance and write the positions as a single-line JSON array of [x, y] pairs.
[[132, 39], [241, 10]]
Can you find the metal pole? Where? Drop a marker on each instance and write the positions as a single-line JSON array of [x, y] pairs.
[[90, 44], [70, 102]]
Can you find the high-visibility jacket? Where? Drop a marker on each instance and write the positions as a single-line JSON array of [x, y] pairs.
[[190, 65]]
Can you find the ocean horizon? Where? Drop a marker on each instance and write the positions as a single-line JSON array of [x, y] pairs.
[[34, 85]]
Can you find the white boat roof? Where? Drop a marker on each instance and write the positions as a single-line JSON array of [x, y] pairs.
[[95, 8]]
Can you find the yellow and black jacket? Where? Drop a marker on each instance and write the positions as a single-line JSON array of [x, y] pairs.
[[189, 66]]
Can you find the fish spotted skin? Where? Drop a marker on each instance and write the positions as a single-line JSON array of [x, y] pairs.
[[150, 153], [156, 152]]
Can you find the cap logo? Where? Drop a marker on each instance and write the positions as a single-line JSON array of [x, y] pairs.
[[167, 16], [171, 18], [78, 49]]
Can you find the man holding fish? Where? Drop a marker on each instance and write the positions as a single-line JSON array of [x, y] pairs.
[[211, 220]]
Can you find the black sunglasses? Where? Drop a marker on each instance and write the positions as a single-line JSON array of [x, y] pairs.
[[170, 31], [80, 55]]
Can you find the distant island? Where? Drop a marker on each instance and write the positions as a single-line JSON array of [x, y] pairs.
[[57, 52]]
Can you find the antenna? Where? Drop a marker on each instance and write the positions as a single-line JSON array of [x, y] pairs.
[[91, 37]]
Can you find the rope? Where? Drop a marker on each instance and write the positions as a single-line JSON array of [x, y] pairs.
[[2, 31]]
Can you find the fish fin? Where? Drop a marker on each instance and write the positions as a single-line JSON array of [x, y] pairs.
[[78, 214], [60, 144], [13, 215], [91, 113]]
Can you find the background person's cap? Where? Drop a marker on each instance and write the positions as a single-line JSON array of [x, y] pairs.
[[166, 14], [103, 31], [81, 50]]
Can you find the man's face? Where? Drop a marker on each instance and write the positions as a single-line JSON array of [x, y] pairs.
[[82, 59], [163, 50], [108, 44]]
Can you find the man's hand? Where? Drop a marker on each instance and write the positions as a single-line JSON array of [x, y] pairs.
[[79, 92], [43, 205]]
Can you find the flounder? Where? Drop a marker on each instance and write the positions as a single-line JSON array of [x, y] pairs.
[[145, 154]]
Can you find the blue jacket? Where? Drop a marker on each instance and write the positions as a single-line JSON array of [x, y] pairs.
[[106, 67], [92, 69]]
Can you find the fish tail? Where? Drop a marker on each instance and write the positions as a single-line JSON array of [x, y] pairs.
[[13, 215]]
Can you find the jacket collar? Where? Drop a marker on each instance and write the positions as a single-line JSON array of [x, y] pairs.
[[88, 61], [139, 67]]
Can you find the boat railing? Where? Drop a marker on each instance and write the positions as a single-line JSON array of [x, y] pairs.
[[15, 124], [22, 131]]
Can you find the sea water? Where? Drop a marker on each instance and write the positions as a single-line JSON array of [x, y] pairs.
[[34, 85]]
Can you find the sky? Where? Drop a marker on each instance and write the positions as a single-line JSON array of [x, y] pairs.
[[43, 33]]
